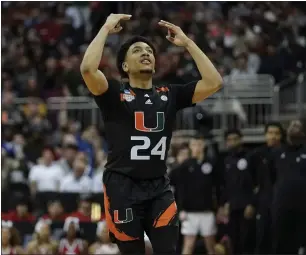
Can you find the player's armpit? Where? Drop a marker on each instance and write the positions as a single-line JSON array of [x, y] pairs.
[[204, 89], [95, 81]]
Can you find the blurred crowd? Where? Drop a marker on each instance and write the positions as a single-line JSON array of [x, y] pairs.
[[47, 153]]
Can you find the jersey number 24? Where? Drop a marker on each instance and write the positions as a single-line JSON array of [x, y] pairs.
[[158, 150]]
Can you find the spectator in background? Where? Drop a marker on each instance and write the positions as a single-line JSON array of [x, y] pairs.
[[46, 175], [195, 182], [72, 243], [84, 212], [42, 243], [103, 245], [77, 181], [69, 152], [238, 197], [265, 176], [21, 213], [288, 205], [97, 179], [11, 116], [55, 211], [182, 153], [10, 240]]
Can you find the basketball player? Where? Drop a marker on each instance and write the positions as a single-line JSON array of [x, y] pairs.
[[138, 119]]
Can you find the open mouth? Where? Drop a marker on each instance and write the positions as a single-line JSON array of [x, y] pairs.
[[145, 61]]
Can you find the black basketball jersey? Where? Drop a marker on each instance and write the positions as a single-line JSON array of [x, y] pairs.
[[138, 126]]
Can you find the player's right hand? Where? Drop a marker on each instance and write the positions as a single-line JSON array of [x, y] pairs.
[[112, 23]]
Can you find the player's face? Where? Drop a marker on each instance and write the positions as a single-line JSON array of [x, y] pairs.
[[233, 141], [197, 146], [5, 236], [139, 59], [273, 136]]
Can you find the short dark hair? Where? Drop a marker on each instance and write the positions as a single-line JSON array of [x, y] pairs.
[[125, 47], [274, 124], [233, 131]]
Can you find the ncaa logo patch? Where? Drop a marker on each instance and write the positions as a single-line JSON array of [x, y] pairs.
[[242, 164], [127, 97], [206, 168], [164, 98]]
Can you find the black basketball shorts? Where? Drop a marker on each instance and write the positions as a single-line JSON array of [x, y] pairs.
[[134, 206]]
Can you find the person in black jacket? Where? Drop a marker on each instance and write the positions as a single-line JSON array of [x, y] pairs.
[[197, 184], [289, 203], [238, 196], [263, 170]]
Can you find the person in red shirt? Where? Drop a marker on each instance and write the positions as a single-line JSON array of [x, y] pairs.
[[20, 214], [87, 211], [72, 243], [55, 211], [10, 240]]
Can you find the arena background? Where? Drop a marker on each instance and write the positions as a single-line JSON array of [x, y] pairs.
[[259, 48]]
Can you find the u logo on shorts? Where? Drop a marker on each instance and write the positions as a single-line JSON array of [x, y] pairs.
[[128, 216]]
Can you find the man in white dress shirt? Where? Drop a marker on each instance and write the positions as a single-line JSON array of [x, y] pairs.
[[47, 175], [77, 181]]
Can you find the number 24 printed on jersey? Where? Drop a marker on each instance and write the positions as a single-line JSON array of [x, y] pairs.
[[158, 150]]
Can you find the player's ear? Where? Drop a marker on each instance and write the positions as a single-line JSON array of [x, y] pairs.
[[125, 67]]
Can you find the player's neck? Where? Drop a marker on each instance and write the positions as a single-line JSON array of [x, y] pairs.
[[140, 82]]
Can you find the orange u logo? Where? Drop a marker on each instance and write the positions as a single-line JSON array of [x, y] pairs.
[[140, 126]]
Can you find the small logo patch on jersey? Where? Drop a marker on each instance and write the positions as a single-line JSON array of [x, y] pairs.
[[242, 164], [127, 97], [164, 98], [146, 95], [148, 101], [206, 168]]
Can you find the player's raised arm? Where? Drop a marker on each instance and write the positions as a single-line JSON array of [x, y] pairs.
[[93, 77], [211, 79]]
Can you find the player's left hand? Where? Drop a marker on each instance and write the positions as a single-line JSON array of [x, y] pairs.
[[175, 34]]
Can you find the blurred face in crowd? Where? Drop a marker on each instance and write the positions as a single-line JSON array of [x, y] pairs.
[[295, 133], [233, 141], [241, 62], [7, 98], [44, 232], [71, 230], [85, 207], [197, 147], [104, 236], [182, 155], [139, 59], [19, 139], [51, 64], [55, 209], [5, 236], [22, 210], [82, 156], [70, 154], [273, 136], [33, 108], [47, 157], [79, 167]]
